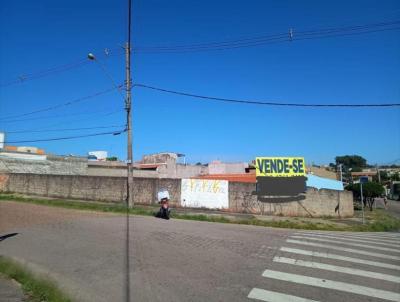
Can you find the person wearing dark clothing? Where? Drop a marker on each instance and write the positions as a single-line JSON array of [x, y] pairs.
[[164, 211]]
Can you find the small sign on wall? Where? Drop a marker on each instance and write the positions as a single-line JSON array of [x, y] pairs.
[[205, 193]]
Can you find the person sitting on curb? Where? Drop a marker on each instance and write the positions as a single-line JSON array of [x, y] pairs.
[[164, 211], [163, 200]]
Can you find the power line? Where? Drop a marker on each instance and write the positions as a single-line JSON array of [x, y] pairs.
[[93, 116], [290, 36], [68, 103], [56, 69], [62, 115], [282, 37], [261, 42], [276, 38], [62, 129], [265, 103], [66, 137]]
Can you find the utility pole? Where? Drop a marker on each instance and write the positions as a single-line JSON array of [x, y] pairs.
[[128, 108], [379, 174], [362, 202], [341, 172]]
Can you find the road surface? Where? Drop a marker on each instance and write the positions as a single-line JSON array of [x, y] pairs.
[[180, 260]]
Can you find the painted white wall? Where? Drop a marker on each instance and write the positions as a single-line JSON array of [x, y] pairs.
[[205, 193]]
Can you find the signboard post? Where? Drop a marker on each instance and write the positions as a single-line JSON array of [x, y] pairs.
[[363, 180]]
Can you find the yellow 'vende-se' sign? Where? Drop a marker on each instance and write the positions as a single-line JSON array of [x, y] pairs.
[[280, 166]]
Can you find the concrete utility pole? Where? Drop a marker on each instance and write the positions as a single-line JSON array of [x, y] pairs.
[[362, 202], [128, 108], [379, 174]]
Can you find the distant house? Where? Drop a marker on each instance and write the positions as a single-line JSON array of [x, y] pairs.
[[370, 174]]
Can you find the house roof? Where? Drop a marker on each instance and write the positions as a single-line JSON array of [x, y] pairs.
[[372, 173], [244, 177], [150, 166]]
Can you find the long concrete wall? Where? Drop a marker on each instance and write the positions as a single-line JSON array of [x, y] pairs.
[[316, 204], [52, 165], [113, 189], [97, 188]]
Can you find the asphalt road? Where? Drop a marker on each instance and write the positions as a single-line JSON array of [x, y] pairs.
[[198, 261]]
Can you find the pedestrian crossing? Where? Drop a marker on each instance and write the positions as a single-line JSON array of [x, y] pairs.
[[332, 266]]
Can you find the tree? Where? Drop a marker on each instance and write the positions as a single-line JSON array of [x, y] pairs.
[[112, 158], [384, 175], [395, 177], [371, 190], [351, 161]]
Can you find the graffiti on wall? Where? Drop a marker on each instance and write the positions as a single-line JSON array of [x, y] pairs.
[[205, 193], [3, 182]]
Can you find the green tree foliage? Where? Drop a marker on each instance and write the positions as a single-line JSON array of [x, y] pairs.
[[112, 158], [384, 175], [371, 190], [395, 176], [351, 161]]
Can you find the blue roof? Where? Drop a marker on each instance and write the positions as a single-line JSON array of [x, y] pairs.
[[323, 183]]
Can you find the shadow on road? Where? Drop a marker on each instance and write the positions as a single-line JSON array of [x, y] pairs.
[[4, 237]]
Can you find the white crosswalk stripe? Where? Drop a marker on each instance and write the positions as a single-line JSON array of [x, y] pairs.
[[340, 269], [350, 234], [348, 243], [330, 259], [377, 235], [340, 257], [324, 283], [388, 243], [375, 238], [270, 296], [334, 247]]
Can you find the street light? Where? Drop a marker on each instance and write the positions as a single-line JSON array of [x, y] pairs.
[[91, 56], [128, 105]]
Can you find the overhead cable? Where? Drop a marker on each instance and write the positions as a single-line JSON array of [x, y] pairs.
[[62, 129], [265, 103], [291, 35], [68, 103], [57, 69], [66, 137], [106, 113]]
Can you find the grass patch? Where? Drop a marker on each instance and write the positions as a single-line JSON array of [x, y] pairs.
[[38, 289], [376, 221], [81, 205]]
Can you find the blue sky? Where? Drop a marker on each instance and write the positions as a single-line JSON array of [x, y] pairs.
[[36, 35]]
